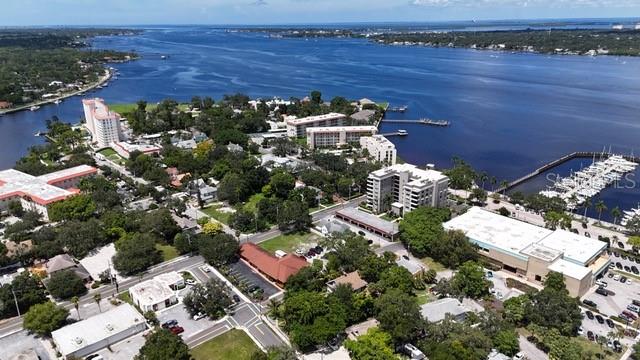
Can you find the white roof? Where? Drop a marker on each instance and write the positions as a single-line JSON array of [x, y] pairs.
[[569, 269], [156, 290], [577, 248], [84, 333], [497, 231], [435, 311], [417, 175], [312, 119]]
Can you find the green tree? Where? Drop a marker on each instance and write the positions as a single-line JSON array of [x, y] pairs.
[[79, 207], [396, 277], [136, 253], [374, 345], [506, 342], [515, 309], [97, 298], [470, 280], [281, 184], [294, 216], [211, 299], [65, 284], [553, 308], [461, 176], [163, 345], [282, 352], [616, 213], [422, 228], [44, 318], [15, 208], [221, 249], [212, 228], [479, 194], [600, 208], [28, 292], [399, 315]]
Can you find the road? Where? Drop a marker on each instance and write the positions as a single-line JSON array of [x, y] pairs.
[[247, 315], [121, 169], [12, 325]]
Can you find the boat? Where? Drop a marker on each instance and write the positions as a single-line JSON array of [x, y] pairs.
[[38, 134], [163, 57], [34, 108], [57, 102], [402, 132]]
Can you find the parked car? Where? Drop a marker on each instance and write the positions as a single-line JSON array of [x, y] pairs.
[[590, 335], [633, 308], [177, 330], [602, 291], [319, 249], [489, 274], [635, 270], [169, 323], [624, 257], [587, 234], [236, 298], [190, 282], [610, 323], [519, 356], [580, 330], [629, 315], [610, 275], [635, 302], [626, 268], [94, 357], [361, 233], [599, 319], [205, 268], [618, 265], [199, 316], [589, 303], [617, 346], [623, 279], [601, 283], [616, 277], [589, 315]]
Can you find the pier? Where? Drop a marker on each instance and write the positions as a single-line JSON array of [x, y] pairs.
[[425, 121], [550, 165], [399, 109], [396, 133]]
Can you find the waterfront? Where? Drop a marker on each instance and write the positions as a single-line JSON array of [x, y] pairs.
[[509, 113]]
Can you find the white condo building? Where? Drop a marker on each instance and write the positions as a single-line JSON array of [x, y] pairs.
[[103, 124], [404, 187], [380, 149], [298, 127], [319, 137]]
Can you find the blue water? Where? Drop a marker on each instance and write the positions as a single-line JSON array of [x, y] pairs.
[[510, 113]]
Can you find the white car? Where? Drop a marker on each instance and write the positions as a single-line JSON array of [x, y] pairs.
[[601, 283], [190, 282], [199, 316], [205, 268], [628, 281], [519, 356], [580, 330], [616, 277]]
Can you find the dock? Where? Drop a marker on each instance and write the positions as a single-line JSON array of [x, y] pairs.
[[396, 133], [399, 109], [550, 165], [423, 121]]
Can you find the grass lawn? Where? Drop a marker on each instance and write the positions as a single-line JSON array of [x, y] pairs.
[[125, 297], [214, 212], [108, 152], [595, 348], [112, 155], [424, 297], [168, 252], [232, 345], [288, 242], [124, 108], [252, 203], [432, 264]]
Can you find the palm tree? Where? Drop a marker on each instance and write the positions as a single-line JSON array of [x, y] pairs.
[[76, 304], [483, 178], [503, 185], [97, 298], [493, 181], [600, 207], [273, 306], [587, 204], [616, 213]]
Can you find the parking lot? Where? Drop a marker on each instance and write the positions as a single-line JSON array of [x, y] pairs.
[[629, 263], [613, 305], [127, 349], [245, 273], [179, 313], [22, 342], [500, 288]]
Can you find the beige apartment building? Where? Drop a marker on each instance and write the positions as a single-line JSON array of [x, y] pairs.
[[336, 136]]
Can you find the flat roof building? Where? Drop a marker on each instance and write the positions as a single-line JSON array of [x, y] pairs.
[[125, 148], [406, 185], [157, 293], [298, 127], [436, 311], [531, 251], [97, 332], [369, 222], [380, 149], [37, 192], [335, 136], [102, 123]]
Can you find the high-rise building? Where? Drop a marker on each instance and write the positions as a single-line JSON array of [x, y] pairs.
[[380, 149], [298, 127], [404, 187], [322, 137], [103, 124]]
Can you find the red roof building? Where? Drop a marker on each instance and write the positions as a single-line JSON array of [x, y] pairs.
[[276, 269]]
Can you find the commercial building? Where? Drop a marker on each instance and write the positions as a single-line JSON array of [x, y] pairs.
[[404, 187], [103, 124], [97, 332], [125, 148], [322, 137], [436, 311], [380, 149], [298, 127], [371, 223], [531, 251], [276, 269], [35, 193], [157, 293]]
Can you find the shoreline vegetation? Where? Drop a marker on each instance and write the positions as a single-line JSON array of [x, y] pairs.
[[42, 66], [589, 42]]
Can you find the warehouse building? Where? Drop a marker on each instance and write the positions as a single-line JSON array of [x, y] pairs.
[[531, 252]]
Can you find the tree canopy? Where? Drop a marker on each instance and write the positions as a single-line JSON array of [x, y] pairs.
[[44, 318], [163, 345]]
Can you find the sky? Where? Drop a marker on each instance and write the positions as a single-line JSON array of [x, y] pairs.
[[143, 12]]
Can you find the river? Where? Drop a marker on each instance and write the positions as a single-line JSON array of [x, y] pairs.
[[510, 112]]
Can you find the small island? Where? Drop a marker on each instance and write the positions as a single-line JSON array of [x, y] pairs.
[[46, 65]]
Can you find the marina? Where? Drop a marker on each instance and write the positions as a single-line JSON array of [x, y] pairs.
[[423, 121], [589, 182]]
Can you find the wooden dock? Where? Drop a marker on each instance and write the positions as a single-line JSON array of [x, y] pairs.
[[396, 133], [550, 165], [424, 121]]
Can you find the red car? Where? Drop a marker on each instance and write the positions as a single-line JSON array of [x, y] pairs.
[[177, 330]]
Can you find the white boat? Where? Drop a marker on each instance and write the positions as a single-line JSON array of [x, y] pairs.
[[57, 102], [34, 108]]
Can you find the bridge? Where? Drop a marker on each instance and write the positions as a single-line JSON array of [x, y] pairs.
[[550, 165]]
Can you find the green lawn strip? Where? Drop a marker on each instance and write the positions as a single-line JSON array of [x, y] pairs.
[[108, 152], [215, 213], [252, 204], [288, 242], [432, 264], [232, 345], [126, 297], [125, 108], [424, 297], [168, 252]]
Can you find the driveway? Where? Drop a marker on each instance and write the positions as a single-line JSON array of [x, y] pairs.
[[246, 273]]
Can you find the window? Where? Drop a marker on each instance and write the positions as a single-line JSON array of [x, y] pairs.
[[539, 278]]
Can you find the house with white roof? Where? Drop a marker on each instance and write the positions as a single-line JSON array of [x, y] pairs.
[[157, 293]]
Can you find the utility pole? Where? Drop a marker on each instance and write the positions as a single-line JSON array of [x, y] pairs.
[[15, 299]]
